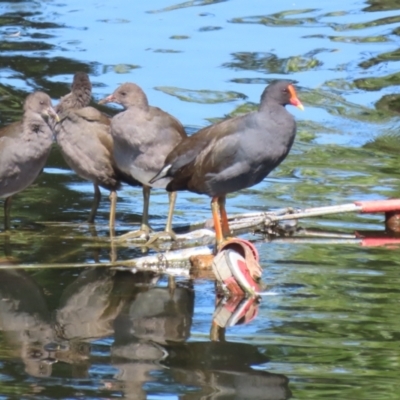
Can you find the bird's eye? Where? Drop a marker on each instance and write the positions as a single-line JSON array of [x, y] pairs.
[[41, 102], [123, 93], [285, 91]]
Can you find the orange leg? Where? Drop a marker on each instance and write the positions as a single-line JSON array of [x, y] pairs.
[[216, 219], [226, 231]]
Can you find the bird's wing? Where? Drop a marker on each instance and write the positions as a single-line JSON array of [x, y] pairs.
[[13, 130], [172, 122], [93, 115], [201, 143]]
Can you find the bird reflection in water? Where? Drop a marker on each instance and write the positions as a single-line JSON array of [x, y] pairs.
[[150, 326], [223, 370], [26, 322], [142, 330]]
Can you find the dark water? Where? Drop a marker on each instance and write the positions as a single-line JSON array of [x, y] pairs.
[[328, 326]]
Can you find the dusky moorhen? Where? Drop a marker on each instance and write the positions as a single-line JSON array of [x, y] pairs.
[[143, 136], [83, 135], [234, 154], [24, 148]]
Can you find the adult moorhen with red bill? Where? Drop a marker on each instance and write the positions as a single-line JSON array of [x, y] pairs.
[[234, 154]]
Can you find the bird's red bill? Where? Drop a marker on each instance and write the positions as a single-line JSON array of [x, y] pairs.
[[293, 98]]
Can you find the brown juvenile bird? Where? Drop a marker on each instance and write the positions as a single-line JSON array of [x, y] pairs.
[[83, 135], [143, 136], [24, 148], [80, 95], [234, 154]]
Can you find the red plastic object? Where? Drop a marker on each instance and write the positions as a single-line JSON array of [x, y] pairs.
[[380, 241], [223, 272], [235, 310], [242, 243], [236, 267], [241, 272], [246, 268], [377, 206]]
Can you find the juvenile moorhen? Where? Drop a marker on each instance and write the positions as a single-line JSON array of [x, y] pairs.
[[234, 154], [80, 95], [83, 135], [24, 148], [143, 136]]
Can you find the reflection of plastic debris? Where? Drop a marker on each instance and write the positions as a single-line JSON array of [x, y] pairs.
[[234, 266], [235, 310]]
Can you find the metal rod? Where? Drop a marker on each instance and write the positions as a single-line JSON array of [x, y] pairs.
[[314, 212]]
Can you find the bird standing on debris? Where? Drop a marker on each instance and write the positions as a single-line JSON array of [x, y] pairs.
[[24, 148], [83, 135], [143, 136], [234, 154]]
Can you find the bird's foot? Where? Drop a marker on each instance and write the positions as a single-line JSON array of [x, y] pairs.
[[224, 241], [142, 233], [164, 235]]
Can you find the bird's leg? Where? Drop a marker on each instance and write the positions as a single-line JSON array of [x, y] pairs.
[[111, 225], [217, 222], [217, 333], [96, 249], [168, 226], [171, 285], [144, 227], [113, 249], [226, 231], [96, 202], [168, 232], [113, 205], [7, 209], [146, 203]]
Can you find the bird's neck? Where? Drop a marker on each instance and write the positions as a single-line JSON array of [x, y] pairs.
[[83, 97], [36, 123], [269, 104], [140, 103]]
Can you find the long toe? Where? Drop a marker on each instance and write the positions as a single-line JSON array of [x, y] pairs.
[[224, 242], [164, 236], [142, 233]]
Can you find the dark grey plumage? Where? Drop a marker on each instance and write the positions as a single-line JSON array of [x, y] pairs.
[[143, 136], [236, 153]]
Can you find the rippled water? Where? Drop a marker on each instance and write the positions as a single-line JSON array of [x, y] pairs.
[[328, 326]]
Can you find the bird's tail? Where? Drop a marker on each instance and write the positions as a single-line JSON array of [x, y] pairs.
[[161, 174]]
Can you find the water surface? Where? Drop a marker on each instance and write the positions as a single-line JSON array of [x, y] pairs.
[[328, 327]]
